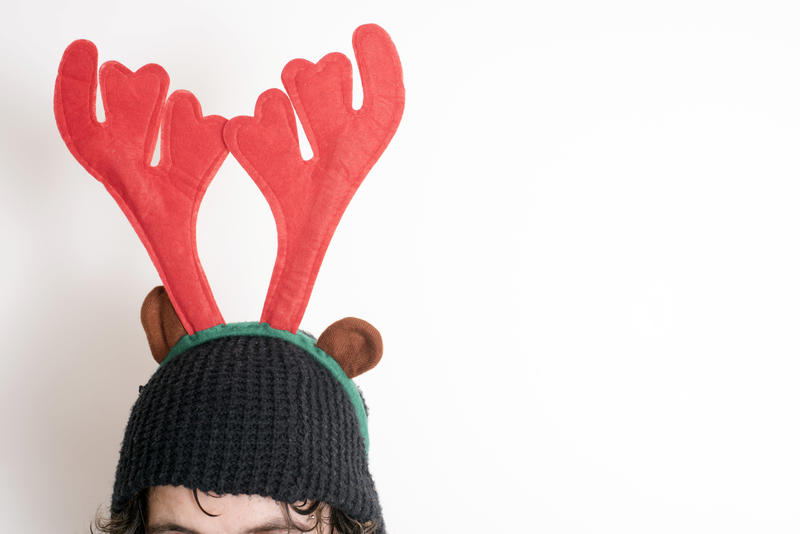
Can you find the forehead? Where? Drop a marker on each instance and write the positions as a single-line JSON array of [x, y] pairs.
[[176, 507]]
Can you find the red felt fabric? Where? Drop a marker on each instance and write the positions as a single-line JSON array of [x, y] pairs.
[[161, 202], [308, 198]]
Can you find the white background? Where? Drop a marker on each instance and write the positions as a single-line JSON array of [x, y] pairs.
[[582, 248]]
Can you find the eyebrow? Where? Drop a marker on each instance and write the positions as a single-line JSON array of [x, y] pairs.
[[174, 527]]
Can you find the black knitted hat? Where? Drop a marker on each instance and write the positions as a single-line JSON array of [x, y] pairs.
[[255, 412], [256, 408]]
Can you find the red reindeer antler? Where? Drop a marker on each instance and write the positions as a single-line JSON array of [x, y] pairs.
[[308, 198], [160, 202]]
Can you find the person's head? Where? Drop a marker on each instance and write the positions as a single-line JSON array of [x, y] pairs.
[[245, 410], [180, 510]]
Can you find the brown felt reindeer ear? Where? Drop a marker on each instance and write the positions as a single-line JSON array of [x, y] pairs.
[[161, 323], [354, 343]]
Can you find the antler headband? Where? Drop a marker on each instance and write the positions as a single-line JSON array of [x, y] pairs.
[[255, 407], [307, 198]]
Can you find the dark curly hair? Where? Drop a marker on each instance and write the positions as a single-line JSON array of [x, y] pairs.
[[132, 520]]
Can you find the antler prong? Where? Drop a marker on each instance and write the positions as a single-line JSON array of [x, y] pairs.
[[308, 198], [161, 202]]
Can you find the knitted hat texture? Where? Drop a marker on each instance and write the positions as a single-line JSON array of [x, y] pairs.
[[248, 414]]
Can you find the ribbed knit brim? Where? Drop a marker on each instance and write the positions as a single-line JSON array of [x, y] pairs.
[[251, 415]]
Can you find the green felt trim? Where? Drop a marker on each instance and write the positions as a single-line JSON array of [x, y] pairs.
[[300, 339]]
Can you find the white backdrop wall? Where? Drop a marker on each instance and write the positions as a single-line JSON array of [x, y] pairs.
[[582, 249]]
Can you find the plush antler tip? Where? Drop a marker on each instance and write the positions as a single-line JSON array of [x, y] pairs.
[[81, 45], [367, 31], [368, 27], [154, 68], [269, 100], [291, 69], [111, 66], [186, 101], [119, 71], [79, 61], [183, 105], [273, 113], [337, 60]]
